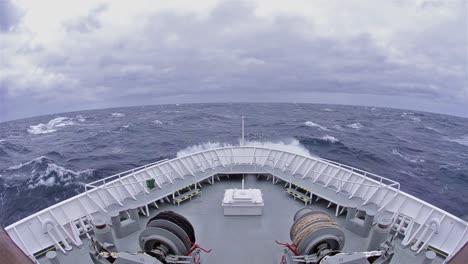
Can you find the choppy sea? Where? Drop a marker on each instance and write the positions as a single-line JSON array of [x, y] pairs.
[[46, 159]]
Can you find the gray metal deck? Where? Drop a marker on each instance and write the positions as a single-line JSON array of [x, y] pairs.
[[241, 239]]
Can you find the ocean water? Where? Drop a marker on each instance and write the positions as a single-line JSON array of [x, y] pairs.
[[46, 159]]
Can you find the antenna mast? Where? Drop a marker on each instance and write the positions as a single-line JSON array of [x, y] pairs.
[[242, 139]]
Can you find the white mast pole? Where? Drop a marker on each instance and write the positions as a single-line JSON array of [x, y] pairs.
[[242, 139]]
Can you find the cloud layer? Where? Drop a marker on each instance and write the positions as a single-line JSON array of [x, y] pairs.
[[409, 54]]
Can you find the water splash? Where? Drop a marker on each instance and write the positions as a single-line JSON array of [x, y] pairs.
[[289, 145], [315, 125]]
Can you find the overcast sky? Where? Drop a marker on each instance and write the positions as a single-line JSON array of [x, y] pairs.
[[59, 56]]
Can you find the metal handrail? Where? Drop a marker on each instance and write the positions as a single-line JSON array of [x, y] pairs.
[[392, 182], [120, 174], [106, 186]]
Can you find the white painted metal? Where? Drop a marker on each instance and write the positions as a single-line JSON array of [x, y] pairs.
[[346, 181]]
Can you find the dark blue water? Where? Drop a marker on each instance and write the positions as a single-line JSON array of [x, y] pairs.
[[46, 159]]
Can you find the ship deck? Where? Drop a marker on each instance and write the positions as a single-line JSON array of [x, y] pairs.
[[241, 239]]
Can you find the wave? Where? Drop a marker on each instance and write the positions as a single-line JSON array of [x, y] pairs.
[[461, 140], [118, 115], [157, 122], [289, 145], [41, 171], [411, 116], [330, 139], [432, 129], [409, 158], [355, 126], [312, 124], [338, 127], [8, 147], [327, 110], [54, 124], [201, 147]]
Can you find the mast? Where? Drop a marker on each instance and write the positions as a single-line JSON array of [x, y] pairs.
[[242, 138]]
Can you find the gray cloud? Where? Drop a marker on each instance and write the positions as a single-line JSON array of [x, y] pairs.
[[9, 15], [232, 54], [87, 23]]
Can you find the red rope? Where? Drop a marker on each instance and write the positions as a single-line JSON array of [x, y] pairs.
[[291, 247], [195, 246]]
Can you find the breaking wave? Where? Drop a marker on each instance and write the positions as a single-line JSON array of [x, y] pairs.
[[312, 124], [411, 116], [157, 122], [201, 147], [355, 125], [409, 158], [118, 115], [290, 145], [41, 171], [330, 139], [54, 124]]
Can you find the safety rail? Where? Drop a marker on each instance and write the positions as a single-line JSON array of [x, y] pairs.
[[378, 181], [346, 180], [216, 161], [120, 175]]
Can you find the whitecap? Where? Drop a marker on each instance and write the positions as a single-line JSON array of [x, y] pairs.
[[409, 158], [327, 110], [157, 122], [288, 145], [80, 118], [118, 115], [355, 125], [330, 139], [411, 116], [53, 124], [42, 172], [201, 147], [462, 140], [312, 124]]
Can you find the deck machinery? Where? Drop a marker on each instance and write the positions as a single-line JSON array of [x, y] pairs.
[[150, 214]]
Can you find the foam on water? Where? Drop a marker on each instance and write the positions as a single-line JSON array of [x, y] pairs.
[[315, 125], [288, 145], [118, 115], [409, 158], [411, 116], [54, 124], [201, 147], [330, 139], [355, 126], [41, 171]]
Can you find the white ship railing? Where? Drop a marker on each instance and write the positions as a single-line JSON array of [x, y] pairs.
[[68, 220]]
